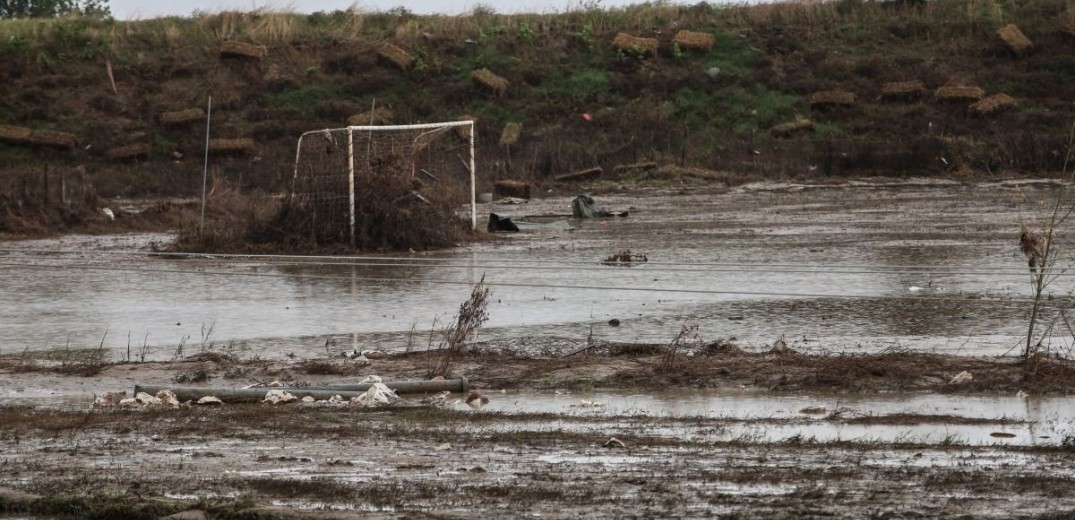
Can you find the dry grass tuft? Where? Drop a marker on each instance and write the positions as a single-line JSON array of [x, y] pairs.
[[472, 314], [511, 133], [694, 40], [1016, 41], [993, 104], [642, 46], [486, 78], [831, 98], [954, 94]]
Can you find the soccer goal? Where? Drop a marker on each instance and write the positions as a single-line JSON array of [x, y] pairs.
[[434, 159]]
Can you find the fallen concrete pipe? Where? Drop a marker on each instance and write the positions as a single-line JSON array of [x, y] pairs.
[[246, 395]]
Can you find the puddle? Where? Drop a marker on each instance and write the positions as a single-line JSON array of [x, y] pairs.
[[922, 266]]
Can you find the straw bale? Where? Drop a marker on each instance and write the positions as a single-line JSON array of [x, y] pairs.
[[1016, 41], [694, 40], [379, 116], [511, 188], [242, 50], [625, 42], [15, 134], [799, 126], [626, 169], [581, 175], [31, 137], [903, 90], [959, 94], [510, 134], [833, 98], [182, 117], [396, 56], [487, 79], [130, 151], [993, 104], [241, 145], [1068, 28]]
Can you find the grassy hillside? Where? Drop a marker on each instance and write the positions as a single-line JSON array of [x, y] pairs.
[[686, 107]]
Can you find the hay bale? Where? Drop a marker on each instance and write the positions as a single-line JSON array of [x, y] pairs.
[[993, 104], [954, 94], [903, 90], [487, 79], [1016, 41], [581, 175], [694, 40], [830, 98], [39, 138], [510, 134], [241, 145], [789, 129], [396, 56], [131, 151], [642, 46], [628, 169], [379, 116], [182, 117], [1068, 28], [243, 51], [510, 188], [15, 134]]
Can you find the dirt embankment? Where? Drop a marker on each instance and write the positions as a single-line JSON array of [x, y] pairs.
[[789, 90]]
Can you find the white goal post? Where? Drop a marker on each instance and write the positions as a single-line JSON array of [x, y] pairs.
[[327, 161]]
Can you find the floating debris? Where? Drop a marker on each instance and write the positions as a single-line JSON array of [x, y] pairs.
[[588, 404], [962, 377], [614, 443], [476, 400], [377, 395], [625, 258]]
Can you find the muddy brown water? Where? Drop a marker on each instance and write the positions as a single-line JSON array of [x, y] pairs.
[[930, 266]]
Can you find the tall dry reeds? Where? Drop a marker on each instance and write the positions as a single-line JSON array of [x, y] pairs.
[[472, 314]]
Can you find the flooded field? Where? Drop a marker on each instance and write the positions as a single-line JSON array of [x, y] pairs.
[[926, 266], [885, 294]]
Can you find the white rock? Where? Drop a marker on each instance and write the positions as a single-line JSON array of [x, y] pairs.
[[168, 398], [147, 399], [210, 400], [110, 398], [371, 379], [444, 447]]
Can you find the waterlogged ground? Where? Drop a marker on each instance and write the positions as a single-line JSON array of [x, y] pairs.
[[930, 266], [884, 292]]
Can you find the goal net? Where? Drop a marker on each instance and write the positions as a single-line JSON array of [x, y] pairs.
[[344, 173]]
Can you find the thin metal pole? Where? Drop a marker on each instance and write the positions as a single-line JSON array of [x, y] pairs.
[[205, 170], [351, 180], [473, 188]]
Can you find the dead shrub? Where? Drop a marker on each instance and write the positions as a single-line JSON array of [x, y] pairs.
[[903, 90], [395, 55], [472, 314], [1015, 40], [993, 104], [959, 93], [831, 98], [694, 40], [510, 134]]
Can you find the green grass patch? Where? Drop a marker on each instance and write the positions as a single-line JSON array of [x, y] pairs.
[[304, 98]]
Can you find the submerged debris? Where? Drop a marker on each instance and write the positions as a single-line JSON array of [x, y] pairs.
[[625, 258]]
